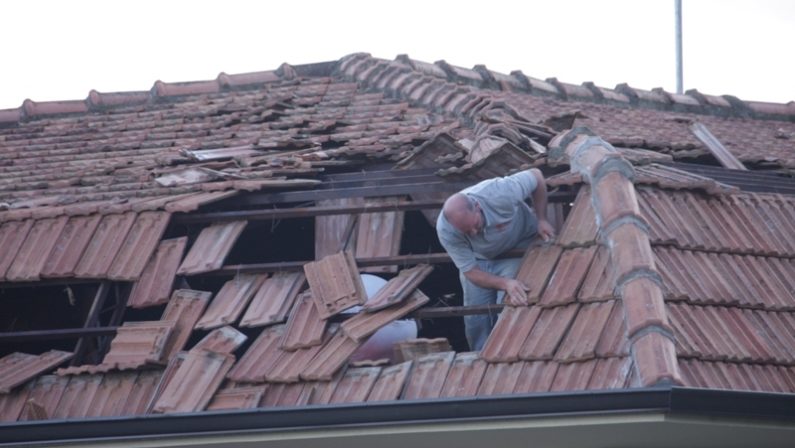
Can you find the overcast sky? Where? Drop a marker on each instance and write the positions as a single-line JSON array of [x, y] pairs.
[[57, 50]]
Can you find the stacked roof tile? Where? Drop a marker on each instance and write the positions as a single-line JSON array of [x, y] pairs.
[[657, 276]]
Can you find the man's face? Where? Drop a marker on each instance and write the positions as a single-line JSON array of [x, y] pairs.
[[472, 221]]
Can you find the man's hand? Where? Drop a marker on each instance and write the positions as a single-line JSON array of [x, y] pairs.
[[516, 291], [546, 230]]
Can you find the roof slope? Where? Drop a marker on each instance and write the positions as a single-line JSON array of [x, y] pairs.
[[657, 276]]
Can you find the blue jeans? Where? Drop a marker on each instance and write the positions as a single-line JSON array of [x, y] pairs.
[[478, 327]]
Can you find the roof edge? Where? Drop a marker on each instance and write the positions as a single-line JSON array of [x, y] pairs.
[[760, 406]]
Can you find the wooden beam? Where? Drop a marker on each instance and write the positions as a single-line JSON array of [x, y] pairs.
[[714, 146], [92, 320], [63, 333]]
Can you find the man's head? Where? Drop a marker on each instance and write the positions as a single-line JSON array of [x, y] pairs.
[[463, 213]]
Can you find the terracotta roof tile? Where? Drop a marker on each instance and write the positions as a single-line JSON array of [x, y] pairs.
[[573, 376], [428, 375], [611, 373], [287, 366], [221, 340], [304, 327], [364, 324], [568, 276], [277, 395], [237, 398], [274, 299], [536, 376], [585, 333], [548, 331], [192, 202], [139, 343], [390, 383], [104, 245], [580, 226], [231, 300], [335, 283], [330, 231], [17, 368], [355, 386], [12, 403], [332, 357], [260, 357], [46, 392], [720, 375], [614, 341], [464, 376], [12, 235], [600, 281], [211, 247], [509, 334], [78, 397], [535, 270], [398, 288], [68, 249], [156, 281], [655, 359], [137, 249], [195, 382], [379, 235], [34, 252], [184, 309], [500, 378], [415, 348]]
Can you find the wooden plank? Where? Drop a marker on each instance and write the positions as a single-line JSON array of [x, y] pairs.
[[712, 143]]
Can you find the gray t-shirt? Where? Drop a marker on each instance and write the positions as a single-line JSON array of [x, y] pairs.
[[509, 223]]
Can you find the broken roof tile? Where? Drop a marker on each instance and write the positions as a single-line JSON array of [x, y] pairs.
[[573, 376], [500, 378], [274, 299], [412, 349], [534, 271], [549, 329], [398, 288], [379, 234], [428, 375], [231, 300], [260, 357], [568, 276], [464, 376], [304, 327], [12, 235], [390, 383], [34, 252], [333, 356], [585, 332], [221, 340], [512, 328], [195, 382], [68, 249], [154, 285], [211, 247], [17, 368], [184, 309], [138, 246], [364, 324], [236, 398], [335, 283], [104, 245], [355, 386]]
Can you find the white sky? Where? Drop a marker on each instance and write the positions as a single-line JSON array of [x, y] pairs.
[[58, 50]]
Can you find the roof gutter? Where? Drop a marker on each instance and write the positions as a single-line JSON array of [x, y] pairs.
[[675, 400]]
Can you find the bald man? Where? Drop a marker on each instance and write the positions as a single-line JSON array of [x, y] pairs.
[[483, 221]]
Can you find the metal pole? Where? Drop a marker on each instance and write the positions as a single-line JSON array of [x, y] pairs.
[[679, 82]]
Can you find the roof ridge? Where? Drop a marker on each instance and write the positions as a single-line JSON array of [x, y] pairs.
[[625, 233], [99, 101], [381, 75]]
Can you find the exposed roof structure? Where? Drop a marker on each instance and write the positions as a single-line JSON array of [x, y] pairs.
[[159, 221]]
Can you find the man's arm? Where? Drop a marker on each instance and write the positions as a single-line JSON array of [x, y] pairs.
[[539, 196], [515, 289]]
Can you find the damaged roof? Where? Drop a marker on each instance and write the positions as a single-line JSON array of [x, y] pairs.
[[658, 275]]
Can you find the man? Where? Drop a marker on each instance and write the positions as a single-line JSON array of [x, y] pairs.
[[483, 221]]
